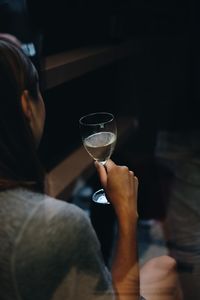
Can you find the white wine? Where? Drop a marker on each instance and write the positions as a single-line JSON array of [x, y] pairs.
[[99, 134], [100, 145]]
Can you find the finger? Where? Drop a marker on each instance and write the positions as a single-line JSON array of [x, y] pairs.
[[132, 180], [101, 172], [136, 182], [136, 187], [109, 165]]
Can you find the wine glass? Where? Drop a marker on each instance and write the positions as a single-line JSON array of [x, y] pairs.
[[99, 134]]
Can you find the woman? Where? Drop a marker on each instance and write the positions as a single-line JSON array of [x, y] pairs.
[[49, 249]]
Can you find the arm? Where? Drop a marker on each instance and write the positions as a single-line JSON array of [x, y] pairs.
[[121, 185]]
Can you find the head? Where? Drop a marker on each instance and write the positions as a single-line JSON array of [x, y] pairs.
[[22, 116], [10, 38]]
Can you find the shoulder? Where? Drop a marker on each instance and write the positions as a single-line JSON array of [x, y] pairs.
[[55, 222], [63, 212], [58, 215], [53, 229], [57, 240]]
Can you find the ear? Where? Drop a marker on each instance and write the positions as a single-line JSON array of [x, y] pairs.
[[26, 105]]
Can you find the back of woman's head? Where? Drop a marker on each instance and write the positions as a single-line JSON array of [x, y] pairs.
[[19, 164]]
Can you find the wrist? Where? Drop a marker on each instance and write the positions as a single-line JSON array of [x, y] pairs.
[[127, 220]]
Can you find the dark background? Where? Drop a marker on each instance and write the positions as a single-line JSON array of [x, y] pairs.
[[162, 88], [159, 85]]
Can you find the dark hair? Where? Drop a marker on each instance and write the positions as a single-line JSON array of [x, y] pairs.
[[19, 162]]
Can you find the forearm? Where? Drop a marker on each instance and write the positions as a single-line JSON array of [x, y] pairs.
[[121, 188], [125, 268]]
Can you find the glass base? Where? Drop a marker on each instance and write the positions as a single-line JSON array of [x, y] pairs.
[[100, 197]]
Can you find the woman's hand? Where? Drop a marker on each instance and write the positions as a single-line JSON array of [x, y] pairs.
[[121, 187]]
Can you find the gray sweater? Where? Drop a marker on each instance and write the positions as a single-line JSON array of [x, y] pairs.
[[48, 250]]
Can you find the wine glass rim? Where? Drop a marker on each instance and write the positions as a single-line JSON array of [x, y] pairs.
[[96, 113]]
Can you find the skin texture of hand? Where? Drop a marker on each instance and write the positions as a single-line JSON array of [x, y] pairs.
[[121, 187]]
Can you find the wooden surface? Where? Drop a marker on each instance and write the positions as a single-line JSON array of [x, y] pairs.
[[62, 67]]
